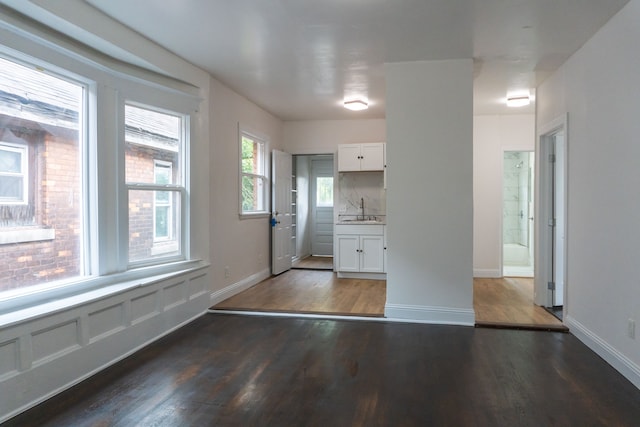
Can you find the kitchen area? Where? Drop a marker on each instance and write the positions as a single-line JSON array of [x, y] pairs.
[[360, 211]]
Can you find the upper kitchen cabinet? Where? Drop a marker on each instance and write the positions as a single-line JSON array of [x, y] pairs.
[[361, 157]]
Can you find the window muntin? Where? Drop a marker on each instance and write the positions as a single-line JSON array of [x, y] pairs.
[[154, 143], [253, 179], [14, 178], [42, 199], [324, 191]]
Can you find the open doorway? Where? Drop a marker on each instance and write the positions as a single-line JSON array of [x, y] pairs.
[[517, 214], [314, 215]]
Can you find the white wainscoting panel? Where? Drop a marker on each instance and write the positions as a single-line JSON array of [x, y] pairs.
[[48, 353]]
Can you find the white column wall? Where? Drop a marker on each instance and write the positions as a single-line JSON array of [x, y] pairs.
[[492, 135], [429, 191], [599, 88]]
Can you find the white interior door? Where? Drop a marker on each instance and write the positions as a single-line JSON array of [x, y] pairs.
[[321, 196], [281, 253]]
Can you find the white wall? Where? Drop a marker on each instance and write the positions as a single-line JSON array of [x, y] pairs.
[[242, 245], [599, 88], [430, 191], [492, 135], [323, 136]]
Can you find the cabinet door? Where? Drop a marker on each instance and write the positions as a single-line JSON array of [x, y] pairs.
[[348, 255], [348, 157], [372, 255], [372, 157]]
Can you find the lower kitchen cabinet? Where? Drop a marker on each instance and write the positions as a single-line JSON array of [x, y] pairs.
[[360, 253]]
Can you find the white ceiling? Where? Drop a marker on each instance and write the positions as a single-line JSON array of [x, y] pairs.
[[300, 58]]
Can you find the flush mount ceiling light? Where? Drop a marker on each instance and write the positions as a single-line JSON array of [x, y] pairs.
[[356, 105], [518, 101]]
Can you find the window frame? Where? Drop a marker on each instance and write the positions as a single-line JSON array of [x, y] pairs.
[[263, 143], [23, 150], [139, 100], [106, 83]]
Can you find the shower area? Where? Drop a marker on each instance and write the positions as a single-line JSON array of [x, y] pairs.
[[517, 214]]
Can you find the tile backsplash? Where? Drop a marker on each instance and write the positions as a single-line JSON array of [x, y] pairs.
[[352, 186]]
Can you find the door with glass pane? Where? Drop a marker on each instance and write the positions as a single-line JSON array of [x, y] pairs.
[[321, 196]]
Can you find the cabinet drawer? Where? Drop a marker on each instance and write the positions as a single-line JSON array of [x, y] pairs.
[[369, 229]]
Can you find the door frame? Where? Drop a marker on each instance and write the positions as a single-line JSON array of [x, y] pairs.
[[544, 195], [510, 149], [313, 175]]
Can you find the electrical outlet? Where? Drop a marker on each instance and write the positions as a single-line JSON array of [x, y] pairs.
[[631, 329], [226, 272]]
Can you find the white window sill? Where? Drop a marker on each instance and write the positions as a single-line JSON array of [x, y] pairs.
[[252, 215], [30, 307], [24, 235]]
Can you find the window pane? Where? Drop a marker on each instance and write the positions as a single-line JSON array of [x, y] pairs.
[[11, 189], [252, 194], [154, 231], [151, 136], [250, 156], [41, 198], [324, 191], [10, 160]]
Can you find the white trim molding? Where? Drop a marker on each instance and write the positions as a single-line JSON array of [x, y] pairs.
[[244, 284], [434, 315], [487, 273], [619, 361]]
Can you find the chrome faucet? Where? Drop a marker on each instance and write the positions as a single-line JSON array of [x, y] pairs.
[[362, 207]]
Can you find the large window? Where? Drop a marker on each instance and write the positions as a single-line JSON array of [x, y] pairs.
[[253, 178], [153, 152], [93, 174], [42, 231]]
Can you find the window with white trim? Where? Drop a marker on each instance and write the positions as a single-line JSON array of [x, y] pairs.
[[42, 196], [162, 210], [14, 174], [253, 176], [86, 199], [154, 143]]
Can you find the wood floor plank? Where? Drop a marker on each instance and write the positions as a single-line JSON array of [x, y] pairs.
[[309, 291], [229, 370]]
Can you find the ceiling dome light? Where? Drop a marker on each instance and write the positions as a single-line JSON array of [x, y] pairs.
[[518, 101], [356, 105]]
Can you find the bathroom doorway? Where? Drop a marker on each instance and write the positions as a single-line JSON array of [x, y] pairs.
[[517, 214]]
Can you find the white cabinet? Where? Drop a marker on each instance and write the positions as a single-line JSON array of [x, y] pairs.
[[360, 248], [361, 157]]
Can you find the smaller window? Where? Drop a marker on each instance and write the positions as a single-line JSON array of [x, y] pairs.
[[324, 191], [13, 174], [253, 179], [162, 218]]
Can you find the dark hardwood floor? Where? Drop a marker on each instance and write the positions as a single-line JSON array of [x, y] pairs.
[[232, 370]]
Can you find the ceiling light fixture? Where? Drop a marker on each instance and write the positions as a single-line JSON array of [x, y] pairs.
[[356, 105], [518, 101]]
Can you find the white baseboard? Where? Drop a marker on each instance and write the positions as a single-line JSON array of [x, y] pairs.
[[246, 283], [487, 273], [435, 315], [619, 361]]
